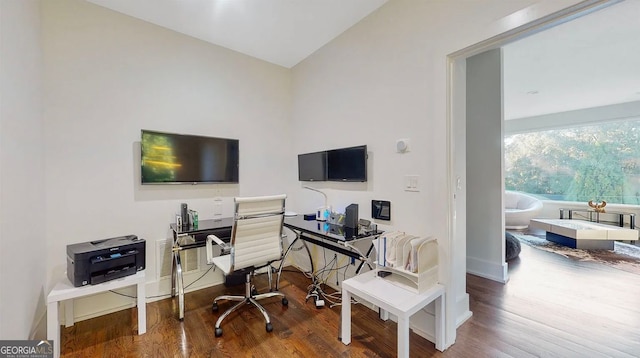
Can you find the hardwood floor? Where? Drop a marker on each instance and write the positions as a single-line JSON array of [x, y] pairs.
[[551, 307]]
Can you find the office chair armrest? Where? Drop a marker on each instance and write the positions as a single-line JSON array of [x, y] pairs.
[[224, 247]]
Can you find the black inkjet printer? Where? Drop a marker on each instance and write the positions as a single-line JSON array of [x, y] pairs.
[[94, 262]]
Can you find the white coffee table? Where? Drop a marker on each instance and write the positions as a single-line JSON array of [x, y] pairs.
[[582, 234]]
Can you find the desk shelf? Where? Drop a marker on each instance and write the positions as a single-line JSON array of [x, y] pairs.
[[424, 257], [413, 282]]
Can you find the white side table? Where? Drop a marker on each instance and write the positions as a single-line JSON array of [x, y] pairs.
[[393, 299], [65, 291]]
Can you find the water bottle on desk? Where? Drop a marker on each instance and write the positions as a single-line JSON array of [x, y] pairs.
[[194, 216]]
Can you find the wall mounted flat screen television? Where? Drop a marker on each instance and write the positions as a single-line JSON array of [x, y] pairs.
[[347, 164], [312, 166], [169, 158]]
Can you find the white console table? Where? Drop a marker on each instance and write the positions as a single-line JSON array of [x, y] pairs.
[[65, 291], [391, 298]]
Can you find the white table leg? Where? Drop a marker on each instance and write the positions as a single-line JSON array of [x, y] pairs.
[[53, 327], [440, 322], [69, 320], [384, 314], [345, 330], [142, 308], [403, 337]]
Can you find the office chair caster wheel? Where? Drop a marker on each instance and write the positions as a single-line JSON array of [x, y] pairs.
[[218, 332], [254, 292], [269, 327], [214, 307], [285, 301]]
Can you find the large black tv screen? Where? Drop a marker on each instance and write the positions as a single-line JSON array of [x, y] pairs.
[[347, 164], [312, 166], [179, 158]]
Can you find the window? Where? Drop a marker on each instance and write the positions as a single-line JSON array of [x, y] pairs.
[[595, 162]]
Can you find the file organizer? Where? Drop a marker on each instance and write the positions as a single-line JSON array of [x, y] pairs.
[[412, 261]]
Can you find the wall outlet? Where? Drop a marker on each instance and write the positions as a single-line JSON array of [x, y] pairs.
[[217, 207]]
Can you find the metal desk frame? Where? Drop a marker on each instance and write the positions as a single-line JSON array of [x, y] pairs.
[[219, 227], [306, 231], [326, 236]]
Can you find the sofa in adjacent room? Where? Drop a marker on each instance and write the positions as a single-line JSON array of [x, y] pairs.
[[519, 209]]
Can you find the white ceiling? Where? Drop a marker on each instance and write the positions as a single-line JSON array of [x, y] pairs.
[[588, 62], [591, 61], [283, 32]]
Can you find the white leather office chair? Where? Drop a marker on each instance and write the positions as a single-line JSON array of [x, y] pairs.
[[256, 242]]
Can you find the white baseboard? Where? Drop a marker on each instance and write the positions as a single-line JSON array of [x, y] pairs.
[[85, 307], [423, 324], [489, 270], [462, 310], [39, 330]]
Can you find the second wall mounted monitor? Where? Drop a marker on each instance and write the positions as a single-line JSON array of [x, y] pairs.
[[347, 164]]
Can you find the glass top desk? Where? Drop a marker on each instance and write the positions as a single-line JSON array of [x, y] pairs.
[[336, 238], [190, 237], [333, 237]]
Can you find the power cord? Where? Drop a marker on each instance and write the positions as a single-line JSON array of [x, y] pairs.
[[319, 279]]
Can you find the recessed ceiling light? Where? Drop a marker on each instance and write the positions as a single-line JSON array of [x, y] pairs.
[[532, 92]]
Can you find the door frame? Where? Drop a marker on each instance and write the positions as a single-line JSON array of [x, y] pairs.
[[456, 160]]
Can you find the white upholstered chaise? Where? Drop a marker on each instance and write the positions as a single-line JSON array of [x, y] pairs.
[[519, 209]]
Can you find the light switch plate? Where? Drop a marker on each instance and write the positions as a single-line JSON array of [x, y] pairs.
[[412, 183]]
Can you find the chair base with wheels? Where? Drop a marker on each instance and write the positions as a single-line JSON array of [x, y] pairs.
[[250, 297]]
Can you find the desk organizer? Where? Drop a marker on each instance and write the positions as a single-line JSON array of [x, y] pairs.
[[412, 261]]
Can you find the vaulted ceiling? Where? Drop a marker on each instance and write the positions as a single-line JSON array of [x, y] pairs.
[[587, 62], [283, 32]]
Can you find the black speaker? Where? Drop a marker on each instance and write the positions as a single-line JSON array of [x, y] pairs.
[[184, 213], [351, 216]]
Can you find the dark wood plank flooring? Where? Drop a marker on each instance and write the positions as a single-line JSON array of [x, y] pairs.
[[552, 307]]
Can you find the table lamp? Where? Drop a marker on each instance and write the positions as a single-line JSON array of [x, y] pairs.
[[323, 212]]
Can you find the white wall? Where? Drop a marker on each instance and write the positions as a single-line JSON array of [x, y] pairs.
[[385, 79], [108, 76], [484, 158], [22, 200]]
